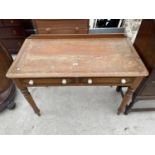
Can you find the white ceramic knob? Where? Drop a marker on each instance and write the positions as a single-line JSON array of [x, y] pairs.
[[31, 82], [90, 81], [18, 68], [123, 81], [48, 29], [77, 29], [64, 81]]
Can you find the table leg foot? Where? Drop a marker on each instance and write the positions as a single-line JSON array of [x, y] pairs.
[[38, 113], [127, 97], [30, 100], [126, 111]]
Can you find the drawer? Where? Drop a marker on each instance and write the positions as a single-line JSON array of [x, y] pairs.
[[106, 81], [63, 23], [12, 32], [12, 22], [72, 30], [77, 81], [48, 82], [12, 43]]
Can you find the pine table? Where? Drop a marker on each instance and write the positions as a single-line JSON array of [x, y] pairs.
[[80, 60]]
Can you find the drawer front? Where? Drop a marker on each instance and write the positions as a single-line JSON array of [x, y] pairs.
[[12, 32], [78, 81], [12, 22], [107, 81], [72, 30], [12, 43], [46, 82], [62, 23]]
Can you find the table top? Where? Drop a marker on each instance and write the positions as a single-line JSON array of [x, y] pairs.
[[45, 56]]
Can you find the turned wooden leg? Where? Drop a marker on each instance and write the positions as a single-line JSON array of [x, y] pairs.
[[126, 99], [27, 96], [128, 96], [30, 100]]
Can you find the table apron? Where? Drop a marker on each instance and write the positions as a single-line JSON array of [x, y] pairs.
[[82, 81]]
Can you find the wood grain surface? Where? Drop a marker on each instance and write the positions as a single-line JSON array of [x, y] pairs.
[[88, 55]]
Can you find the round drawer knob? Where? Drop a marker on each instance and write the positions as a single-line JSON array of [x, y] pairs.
[[64, 81], [76, 28], [12, 21], [123, 81], [48, 29], [18, 69], [31, 82], [90, 81]]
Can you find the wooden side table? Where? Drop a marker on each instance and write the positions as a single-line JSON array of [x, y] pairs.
[[66, 60]]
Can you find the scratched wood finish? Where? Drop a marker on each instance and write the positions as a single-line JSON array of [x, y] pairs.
[[77, 60], [77, 56]]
